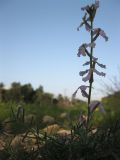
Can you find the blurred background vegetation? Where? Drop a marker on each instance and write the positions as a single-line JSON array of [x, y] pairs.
[[38, 104], [46, 109]]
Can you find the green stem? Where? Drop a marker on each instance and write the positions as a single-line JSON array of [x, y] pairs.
[[91, 79]]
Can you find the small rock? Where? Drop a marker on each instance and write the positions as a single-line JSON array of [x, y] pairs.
[[64, 132], [63, 115], [48, 119], [52, 129], [17, 142], [28, 143]]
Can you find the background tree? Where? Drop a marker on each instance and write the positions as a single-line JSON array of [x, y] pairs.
[[37, 98], [27, 93], [15, 91], [1, 91]]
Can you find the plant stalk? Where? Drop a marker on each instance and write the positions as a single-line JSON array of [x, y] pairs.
[[91, 79]]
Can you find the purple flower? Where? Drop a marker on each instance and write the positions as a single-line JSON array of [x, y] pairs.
[[83, 91], [81, 51], [82, 73], [85, 22], [96, 30], [99, 73], [86, 63], [74, 94], [94, 104], [87, 78], [82, 48], [94, 58], [83, 87], [88, 8], [101, 65], [101, 32]]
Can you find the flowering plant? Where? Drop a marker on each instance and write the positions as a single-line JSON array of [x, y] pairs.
[[86, 49]]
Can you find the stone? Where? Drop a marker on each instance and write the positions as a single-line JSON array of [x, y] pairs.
[[52, 129], [64, 132], [48, 119], [63, 115]]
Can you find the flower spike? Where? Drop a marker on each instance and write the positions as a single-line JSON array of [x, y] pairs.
[[86, 49]]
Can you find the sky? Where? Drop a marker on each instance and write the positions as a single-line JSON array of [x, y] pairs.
[[39, 42]]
